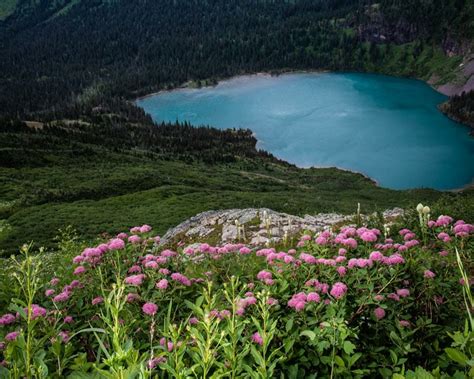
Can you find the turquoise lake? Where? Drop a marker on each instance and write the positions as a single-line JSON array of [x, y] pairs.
[[384, 127]]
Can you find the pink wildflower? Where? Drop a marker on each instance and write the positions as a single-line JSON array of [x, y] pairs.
[[193, 320], [68, 320], [250, 300], [272, 301], [262, 275], [338, 290], [135, 280], [313, 297], [393, 296], [134, 269], [257, 338], [63, 296], [134, 239], [350, 242], [404, 323], [429, 274], [64, 336], [368, 236], [341, 270], [151, 264], [97, 300], [162, 284], [131, 297], [379, 313], [245, 250], [12, 336], [78, 259], [145, 229], [444, 237], [181, 279], [117, 244], [79, 270], [36, 311], [152, 363], [308, 258], [444, 220], [376, 256], [7, 319], [150, 309], [403, 292], [49, 292]]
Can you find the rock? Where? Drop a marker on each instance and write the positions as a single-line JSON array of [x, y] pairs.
[[229, 233], [203, 224]]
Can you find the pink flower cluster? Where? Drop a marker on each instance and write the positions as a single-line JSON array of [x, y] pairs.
[[180, 278], [150, 309], [338, 290], [257, 338], [219, 314], [141, 229], [266, 277], [7, 319], [242, 304], [135, 280], [36, 311]]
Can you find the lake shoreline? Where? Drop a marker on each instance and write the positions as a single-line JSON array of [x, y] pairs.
[[190, 86], [275, 73]]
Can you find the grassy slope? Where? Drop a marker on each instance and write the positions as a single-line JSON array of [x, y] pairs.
[[117, 190]]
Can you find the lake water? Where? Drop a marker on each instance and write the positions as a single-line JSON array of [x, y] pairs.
[[384, 127]]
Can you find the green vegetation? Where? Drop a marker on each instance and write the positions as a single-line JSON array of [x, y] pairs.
[[107, 173], [7, 7], [364, 302], [461, 108], [133, 49]]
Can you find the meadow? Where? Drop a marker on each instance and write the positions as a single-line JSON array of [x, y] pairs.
[[359, 301]]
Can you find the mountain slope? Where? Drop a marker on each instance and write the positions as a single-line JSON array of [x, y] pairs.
[[125, 49]]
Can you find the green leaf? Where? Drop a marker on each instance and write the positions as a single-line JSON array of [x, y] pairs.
[[289, 324], [288, 344], [456, 356], [308, 333], [348, 347], [339, 361], [354, 358], [394, 357]]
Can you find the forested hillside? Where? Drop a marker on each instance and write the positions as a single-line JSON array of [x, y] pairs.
[[113, 168], [62, 52]]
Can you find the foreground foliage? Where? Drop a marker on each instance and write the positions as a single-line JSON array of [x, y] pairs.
[[356, 302]]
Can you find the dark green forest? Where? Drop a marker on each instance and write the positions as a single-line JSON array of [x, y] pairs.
[[58, 53]]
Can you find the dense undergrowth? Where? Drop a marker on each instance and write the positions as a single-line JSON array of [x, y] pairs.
[[374, 301]]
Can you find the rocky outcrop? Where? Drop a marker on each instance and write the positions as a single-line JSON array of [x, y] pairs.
[[256, 226], [465, 81]]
